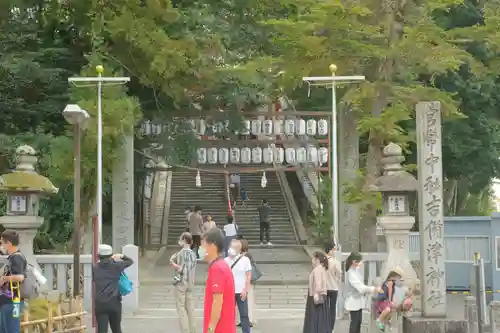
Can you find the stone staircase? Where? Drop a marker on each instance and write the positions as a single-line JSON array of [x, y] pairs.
[[247, 218], [211, 196]]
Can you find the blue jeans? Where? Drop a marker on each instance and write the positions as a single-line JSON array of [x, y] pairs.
[[243, 310], [9, 324]]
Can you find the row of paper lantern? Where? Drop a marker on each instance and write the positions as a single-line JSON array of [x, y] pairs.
[[267, 155], [310, 127]]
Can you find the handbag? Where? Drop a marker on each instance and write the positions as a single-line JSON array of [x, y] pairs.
[[256, 273], [319, 300], [125, 285]]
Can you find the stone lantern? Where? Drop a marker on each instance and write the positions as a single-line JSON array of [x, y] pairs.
[[24, 187], [395, 186]]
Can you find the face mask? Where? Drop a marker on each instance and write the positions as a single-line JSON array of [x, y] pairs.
[[231, 252], [202, 253]]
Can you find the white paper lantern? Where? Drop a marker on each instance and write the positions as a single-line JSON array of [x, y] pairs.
[[278, 127], [212, 155], [289, 127], [146, 128], [223, 155], [202, 127], [311, 127], [156, 129], [323, 155], [234, 155], [267, 127], [300, 127], [301, 155], [256, 127], [202, 155], [312, 155], [290, 156], [278, 155], [268, 155], [323, 127], [257, 155], [246, 127], [246, 155]]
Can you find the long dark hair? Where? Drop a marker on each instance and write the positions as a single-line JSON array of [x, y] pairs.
[[323, 260], [354, 256]]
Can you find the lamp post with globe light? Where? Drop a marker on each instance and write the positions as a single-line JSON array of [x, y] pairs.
[[78, 118]]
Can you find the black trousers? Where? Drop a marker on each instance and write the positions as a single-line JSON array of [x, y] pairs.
[[264, 231], [356, 318], [331, 296], [196, 244], [109, 314]]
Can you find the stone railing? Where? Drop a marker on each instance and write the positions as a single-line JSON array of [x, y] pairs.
[[57, 269]]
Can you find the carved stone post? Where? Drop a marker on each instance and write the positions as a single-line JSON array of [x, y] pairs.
[[494, 316], [430, 202], [123, 195], [395, 185], [24, 187], [471, 315]]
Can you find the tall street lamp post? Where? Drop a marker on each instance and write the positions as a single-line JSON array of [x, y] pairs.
[[86, 82], [78, 118], [332, 82]]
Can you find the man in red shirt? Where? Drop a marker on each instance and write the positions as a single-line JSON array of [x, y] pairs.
[[219, 310]]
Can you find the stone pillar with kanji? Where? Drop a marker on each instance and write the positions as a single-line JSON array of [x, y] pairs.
[[24, 187], [430, 202]]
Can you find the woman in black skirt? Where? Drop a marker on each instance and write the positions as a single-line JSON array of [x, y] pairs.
[[317, 317]]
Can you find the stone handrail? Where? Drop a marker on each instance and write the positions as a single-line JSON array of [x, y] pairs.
[[298, 224], [57, 269]]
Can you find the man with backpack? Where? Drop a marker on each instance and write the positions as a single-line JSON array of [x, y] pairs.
[[10, 283], [106, 274]]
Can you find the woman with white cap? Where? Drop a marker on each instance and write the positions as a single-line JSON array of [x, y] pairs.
[[106, 276]]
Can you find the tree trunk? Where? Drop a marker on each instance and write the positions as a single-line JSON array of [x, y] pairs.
[[348, 147]]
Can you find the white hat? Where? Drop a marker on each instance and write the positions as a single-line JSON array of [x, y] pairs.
[[105, 250]]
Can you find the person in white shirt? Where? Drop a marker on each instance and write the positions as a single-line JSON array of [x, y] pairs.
[[242, 274], [230, 233]]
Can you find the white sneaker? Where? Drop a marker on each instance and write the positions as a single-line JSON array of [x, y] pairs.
[[269, 244], [262, 244]]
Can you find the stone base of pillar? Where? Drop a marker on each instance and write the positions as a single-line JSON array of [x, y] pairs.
[[434, 325]]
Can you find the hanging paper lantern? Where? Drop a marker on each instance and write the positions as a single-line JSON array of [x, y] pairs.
[[323, 155], [257, 155], [278, 155], [312, 155], [289, 127], [198, 179], [311, 127], [212, 155], [223, 155], [268, 155], [202, 127], [246, 127], [202, 155], [322, 127], [290, 156], [234, 155], [301, 155], [278, 127], [155, 129], [256, 127], [146, 128], [300, 127], [263, 180], [268, 127], [246, 155]]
